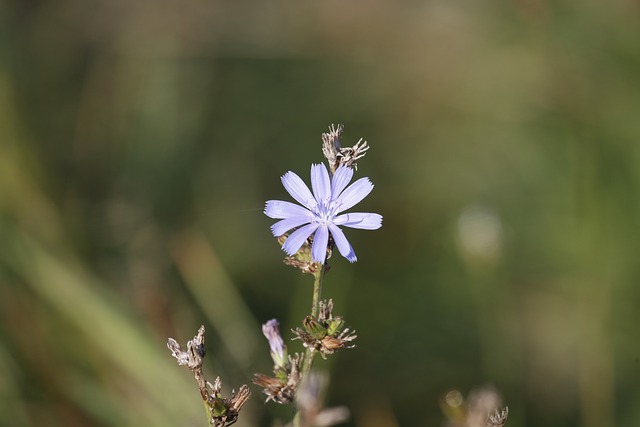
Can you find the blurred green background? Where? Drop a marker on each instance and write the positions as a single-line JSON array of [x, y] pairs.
[[140, 139]]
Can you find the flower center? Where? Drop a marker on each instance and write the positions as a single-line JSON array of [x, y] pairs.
[[325, 211]]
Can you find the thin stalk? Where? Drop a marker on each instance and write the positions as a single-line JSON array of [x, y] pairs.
[[317, 290], [207, 409], [202, 385], [310, 353]]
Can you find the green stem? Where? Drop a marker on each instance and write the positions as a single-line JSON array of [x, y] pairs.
[[317, 290], [310, 353], [207, 409]]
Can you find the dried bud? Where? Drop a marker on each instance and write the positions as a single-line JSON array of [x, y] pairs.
[[281, 388], [336, 155], [349, 155], [192, 357], [498, 418], [325, 334], [331, 145], [332, 344], [225, 412]]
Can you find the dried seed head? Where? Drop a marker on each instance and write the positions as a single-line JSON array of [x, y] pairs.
[[225, 412], [283, 386], [192, 357], [498, 418], [331, 145], [336, 155], [349, 155], [325, 334]]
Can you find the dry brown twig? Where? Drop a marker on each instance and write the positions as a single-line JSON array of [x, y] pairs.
[[221, 412]]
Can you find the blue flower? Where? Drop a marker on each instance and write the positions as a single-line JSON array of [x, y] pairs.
[[320, 211]]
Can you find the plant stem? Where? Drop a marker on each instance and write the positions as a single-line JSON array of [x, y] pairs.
[[310, 353], [202, 385], [317, 290], [207, 409]]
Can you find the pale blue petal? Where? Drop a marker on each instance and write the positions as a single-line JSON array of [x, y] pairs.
[[354, 194], [342, 243], [298, 189], [362, 220], [297, 238], [279, 209], [320, 183], [320, 241], [340, 179], [282, 226]]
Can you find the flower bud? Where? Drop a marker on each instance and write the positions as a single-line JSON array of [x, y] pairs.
[[276, 345]]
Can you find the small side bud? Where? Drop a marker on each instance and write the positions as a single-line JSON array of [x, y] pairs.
[[278, 349]]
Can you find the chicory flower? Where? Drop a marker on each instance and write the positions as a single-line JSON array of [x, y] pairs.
[[320, 211]]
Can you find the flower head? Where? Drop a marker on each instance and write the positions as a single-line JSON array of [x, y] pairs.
[[320, 213], [325, 333], [281, 388]]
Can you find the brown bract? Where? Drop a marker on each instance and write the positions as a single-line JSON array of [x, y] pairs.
[[283, 386], [326, 334]]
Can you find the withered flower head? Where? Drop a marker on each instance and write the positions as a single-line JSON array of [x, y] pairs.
[[325, 334], [331, 145], [282, 387], [192, 357], [498, 418], [225, 411], [336, 155]]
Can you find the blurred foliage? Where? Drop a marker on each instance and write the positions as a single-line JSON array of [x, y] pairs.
[[139, 141]]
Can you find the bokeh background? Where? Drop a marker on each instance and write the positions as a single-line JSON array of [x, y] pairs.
[[140, 139]]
